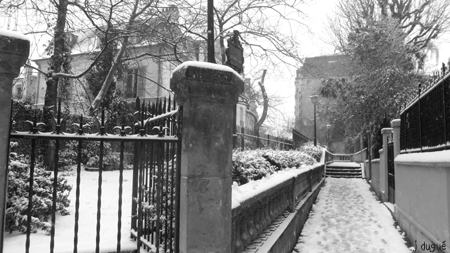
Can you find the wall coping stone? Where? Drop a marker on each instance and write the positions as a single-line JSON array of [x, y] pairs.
[[386, 130], [395, 123], [429, 159]]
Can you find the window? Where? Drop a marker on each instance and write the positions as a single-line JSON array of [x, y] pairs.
[[135, 83], [131, 83], [19, 92], [241, 116]]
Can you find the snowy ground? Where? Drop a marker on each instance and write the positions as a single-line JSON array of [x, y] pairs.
[[15, 242], [348, 218]]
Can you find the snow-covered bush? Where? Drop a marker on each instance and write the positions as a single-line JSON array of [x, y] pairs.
[[310, 149], [255, 164], [287, 159], [17, 203], [250, 165]]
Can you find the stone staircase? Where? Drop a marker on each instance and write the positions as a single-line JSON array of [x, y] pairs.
[[344, 170]]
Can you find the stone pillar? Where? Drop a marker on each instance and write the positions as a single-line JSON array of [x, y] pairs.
[[384, 165], [14, 50], [208, 94], [395, 124]]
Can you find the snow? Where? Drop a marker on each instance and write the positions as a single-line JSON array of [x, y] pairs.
[[64, 232], [436, 157], [348, 218], [344, 165], [253, 188], [206, 65], [12, 34]]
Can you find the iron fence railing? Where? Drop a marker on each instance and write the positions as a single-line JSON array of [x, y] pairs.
[[156, 175], [425, 121], [391, 172], [247, 141]]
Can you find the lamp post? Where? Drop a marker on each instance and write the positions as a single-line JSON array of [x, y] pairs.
[[210, 21], [328, 126], [315, 99]]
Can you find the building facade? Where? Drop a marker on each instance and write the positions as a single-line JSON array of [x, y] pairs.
[[308, 81]]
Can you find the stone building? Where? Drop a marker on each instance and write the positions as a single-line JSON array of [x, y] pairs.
[[307, 83]]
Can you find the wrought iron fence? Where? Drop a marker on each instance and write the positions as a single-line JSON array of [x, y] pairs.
[[248, 141], [156, 176], [391, 172], [425, 121]]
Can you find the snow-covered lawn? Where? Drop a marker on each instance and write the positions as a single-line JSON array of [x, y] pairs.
[[64, 233], [348, 218]]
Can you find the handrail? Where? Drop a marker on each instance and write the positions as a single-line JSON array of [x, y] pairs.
[[329, 157], [362, 150], [264, 139]]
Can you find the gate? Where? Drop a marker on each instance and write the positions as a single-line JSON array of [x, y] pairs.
[[154, 146], [391, 172]]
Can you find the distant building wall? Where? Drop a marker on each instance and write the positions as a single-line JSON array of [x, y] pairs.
[[307, 83]]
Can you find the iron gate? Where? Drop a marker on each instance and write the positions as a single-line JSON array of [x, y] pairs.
[[155, 147], [391, 172]]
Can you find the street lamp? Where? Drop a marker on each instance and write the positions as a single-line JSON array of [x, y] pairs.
[[315, 99], [328, 126]]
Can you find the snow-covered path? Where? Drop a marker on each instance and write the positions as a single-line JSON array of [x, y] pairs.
[[348, 218]]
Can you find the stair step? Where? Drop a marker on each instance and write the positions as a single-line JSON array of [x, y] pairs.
[[344, 176], [343, 173], [349, 170]]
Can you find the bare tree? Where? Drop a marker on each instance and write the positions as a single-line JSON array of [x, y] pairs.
[[420, 20]]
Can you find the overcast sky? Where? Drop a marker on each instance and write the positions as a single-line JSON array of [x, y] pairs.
[[314, 43]]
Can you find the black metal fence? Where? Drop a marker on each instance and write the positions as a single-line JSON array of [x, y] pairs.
[[391, 172], [425, 122], [247, 141], [155, 187]]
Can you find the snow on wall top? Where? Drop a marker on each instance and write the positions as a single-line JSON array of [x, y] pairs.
[[253, 188], [206, 65], [438, 158], [13, 34]]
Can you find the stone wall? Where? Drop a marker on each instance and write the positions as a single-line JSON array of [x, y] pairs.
[[422, 182]]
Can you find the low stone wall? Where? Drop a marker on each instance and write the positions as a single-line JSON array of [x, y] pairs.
[[271, 219], [360, 156], [422, 188]]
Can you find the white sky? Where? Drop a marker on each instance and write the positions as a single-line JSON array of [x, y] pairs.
[[314, 43]]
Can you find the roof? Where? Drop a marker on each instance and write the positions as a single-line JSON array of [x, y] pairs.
[[324, 67]]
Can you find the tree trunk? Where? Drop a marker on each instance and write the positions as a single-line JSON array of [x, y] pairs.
[[109, 78], [265, 109], [51, 93]]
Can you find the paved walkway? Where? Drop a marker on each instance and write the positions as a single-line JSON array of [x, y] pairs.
[[348, 218]]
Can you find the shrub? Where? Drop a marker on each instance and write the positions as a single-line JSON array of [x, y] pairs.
[[255, 164], [287, 159], [18, 187], [310, 149], [250, 165]]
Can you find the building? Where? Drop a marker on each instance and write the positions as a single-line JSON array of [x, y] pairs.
[[146, 77], [307, 83]]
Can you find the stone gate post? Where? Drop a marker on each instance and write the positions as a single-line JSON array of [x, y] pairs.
[[208, 94], [395, 124], [14, 50]]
